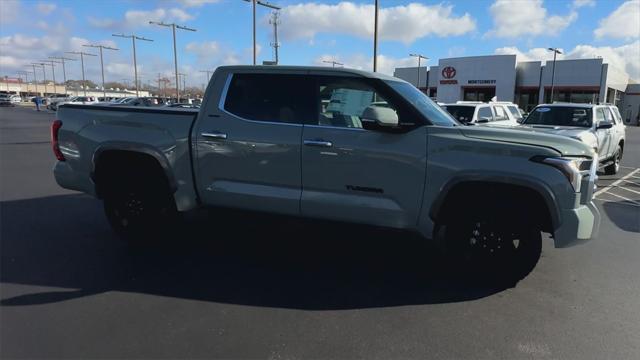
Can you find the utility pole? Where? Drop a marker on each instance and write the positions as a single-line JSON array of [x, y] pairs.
[[64, 71], [208, 72], [35, 78], [254, 5], [104, 91], [275, 21], [184, 82], [553, 69], [133, 38], [44, 75], [333, 63], [82, 55], [53, 72], [419, 56], [173, 27], [375, 38]]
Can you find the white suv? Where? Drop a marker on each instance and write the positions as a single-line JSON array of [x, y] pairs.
[[492, 113], [599, 126]]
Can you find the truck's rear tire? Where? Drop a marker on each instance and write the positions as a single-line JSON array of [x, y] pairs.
[[140, 212], [496, 248], [614, 167]]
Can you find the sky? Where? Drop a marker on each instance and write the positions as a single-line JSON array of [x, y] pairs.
[[311, 32]]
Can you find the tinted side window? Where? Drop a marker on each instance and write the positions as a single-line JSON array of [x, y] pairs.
[[515, 112], [485, 112], [271, 97]]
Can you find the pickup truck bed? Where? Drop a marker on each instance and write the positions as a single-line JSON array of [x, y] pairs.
[[160, 133]]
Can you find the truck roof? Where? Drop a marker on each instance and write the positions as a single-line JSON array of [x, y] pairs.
[[312, 69]]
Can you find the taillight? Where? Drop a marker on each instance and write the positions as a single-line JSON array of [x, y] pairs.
[[55, 128]]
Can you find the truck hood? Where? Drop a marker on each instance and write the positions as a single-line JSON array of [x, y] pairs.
[[527, 136]]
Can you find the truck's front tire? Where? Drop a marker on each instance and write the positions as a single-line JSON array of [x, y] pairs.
[[494, 248], [140, 213]]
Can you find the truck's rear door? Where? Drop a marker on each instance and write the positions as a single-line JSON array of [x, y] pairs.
[[248, 143]]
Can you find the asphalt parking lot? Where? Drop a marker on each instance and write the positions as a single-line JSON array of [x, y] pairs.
[[249, 286]]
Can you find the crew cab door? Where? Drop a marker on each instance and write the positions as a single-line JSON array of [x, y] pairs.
[[248, 143], [355, 170]]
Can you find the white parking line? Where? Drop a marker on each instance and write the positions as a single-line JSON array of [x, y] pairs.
[[629, 190], [629, 201], [615, 183]]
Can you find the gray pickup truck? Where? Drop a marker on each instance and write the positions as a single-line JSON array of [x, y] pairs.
[[335, 144]]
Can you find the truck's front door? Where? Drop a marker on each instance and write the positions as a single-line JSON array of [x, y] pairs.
[[354, 170], [248, 142]]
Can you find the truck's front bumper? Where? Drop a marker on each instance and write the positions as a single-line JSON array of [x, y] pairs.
[[578, 225]]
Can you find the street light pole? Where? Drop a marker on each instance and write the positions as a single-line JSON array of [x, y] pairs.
[[35, 78], [82, 55], [53, 72], [254, 5], [553, 69], [133, 38], [375, 38], [173, 27], [275, 21], [104, 91], [64, 71], [44, 75], [420, 57]]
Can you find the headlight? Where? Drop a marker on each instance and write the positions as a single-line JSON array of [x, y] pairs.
[[573, 168]]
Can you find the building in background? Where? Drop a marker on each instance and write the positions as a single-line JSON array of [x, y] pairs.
[[480, 78]]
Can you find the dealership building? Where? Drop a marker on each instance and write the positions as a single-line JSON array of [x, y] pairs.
[[480, 78]]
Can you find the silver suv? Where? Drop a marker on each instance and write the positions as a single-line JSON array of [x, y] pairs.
[[599, 126], [493, 113]]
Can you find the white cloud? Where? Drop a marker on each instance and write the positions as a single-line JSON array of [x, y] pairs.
[[10, 10], [517, 18], [196, 3], [582, 3], [624, 57], [45, 8], [623, 23], [386, 64], [210, 54], [137, 18], [404, 23]]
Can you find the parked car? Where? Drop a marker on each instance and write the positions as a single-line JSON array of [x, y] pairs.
[[9, 99], [53, 101], [599, 126], [182, 106], [139, 101], [262, 141], [492, 113]]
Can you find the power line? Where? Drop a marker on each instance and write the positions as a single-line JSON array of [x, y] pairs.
[[82, 55], [254, 4]]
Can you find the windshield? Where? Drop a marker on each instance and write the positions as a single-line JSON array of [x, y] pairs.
[[434, 113], [560, 116], [464, 114]]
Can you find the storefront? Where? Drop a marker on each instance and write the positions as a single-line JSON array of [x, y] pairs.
[[481, 78]]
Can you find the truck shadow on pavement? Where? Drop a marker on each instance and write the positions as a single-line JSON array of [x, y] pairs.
[[228, 257], [625, 215]]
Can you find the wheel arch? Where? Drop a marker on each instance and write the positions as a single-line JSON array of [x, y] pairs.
[[108, 155], [481, 186]]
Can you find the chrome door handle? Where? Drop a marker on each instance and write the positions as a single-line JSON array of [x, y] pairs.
[[214, 135], [318, 143]]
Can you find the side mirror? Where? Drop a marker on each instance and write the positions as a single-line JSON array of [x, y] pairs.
[[382, 116], [604, 125]]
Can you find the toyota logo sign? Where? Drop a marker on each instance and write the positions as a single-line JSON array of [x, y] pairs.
[[448, 72]]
